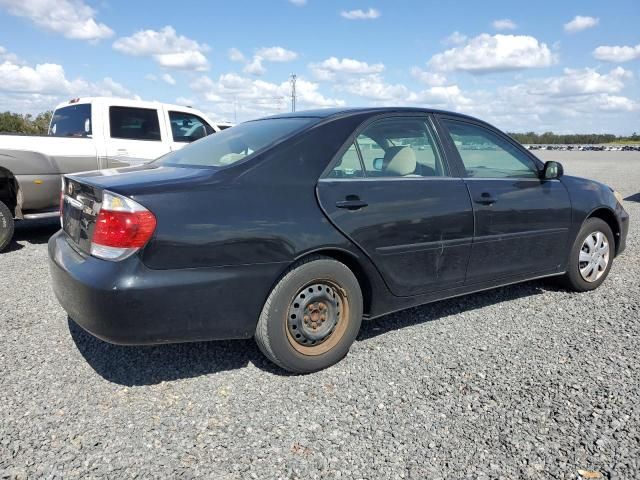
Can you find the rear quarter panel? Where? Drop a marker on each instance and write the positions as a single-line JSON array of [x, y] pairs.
[[262, 211]]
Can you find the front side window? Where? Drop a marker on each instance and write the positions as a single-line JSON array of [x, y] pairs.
[[399, 147], [71, 121], [487, 155], [134, 123], [234, 144], [187, 127]]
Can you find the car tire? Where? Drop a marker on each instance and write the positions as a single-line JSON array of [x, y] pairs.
[[311, 317], [591, 256], [6, 226]]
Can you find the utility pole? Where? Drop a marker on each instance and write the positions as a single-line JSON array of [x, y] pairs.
[[293, 91]]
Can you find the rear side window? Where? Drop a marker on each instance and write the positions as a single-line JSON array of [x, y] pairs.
[[235, 144], [392, 147], [487, 155], [134, 123], [187, 127], [349, 165], [71, 121]]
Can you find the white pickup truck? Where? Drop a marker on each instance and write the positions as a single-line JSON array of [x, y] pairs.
[[88, 134]]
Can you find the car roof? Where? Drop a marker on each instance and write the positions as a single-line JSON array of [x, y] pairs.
[[341, 112]]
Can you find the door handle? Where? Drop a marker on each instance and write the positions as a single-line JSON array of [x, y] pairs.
[[352, 202], [486, 199]]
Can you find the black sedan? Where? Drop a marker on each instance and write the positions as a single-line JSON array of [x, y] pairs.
[[294, 228]]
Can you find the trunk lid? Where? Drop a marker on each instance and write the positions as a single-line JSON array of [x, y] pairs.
[[83, 193]]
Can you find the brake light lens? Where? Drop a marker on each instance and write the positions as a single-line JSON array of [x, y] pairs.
[[122, 228]]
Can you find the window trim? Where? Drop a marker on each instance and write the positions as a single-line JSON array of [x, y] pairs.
[[202, 120], [136, 139], [426, 117], [453, 151]]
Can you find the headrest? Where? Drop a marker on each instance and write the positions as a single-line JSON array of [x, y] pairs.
[[399, 161]]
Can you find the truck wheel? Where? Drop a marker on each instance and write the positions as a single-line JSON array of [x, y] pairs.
[[311, 317], [6, 226]]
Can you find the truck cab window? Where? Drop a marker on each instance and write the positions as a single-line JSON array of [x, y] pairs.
[[187, 127], [71, 121], [134, 123]]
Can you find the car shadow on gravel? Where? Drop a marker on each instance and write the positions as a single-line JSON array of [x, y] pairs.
[[35, 232], [150, 365], [633, 198], [437, 310]]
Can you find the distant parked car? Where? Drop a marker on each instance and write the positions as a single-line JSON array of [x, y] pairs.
[[294, 228], [87, 134]]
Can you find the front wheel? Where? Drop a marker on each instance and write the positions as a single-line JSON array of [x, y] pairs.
[[6, 226], [311, 317], [591, 256]]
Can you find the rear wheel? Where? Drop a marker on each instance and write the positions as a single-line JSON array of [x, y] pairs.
[[311, 317], [591, 256], [6, 226]]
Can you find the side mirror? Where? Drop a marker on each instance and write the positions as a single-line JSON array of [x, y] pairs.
[[552, 170], [378, 163]]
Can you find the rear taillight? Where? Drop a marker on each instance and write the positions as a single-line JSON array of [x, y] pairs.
[[122, 227]]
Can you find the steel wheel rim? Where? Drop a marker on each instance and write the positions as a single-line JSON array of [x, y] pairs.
[[317, 317], [593, 258]]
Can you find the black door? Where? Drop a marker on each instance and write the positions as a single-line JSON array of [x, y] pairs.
[[521, 221], [390, 192]]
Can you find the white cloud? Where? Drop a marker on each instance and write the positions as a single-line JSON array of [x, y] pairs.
[[72, 18], [429, 78], [168, 79], [504, 24], [255, 67], [580, 23], [456, 38], [359, 14], [166, 47], [265, 54], [333, 67], [45, 78], [7, 56], [585, 81], [276, 54], [617, 54], [254, 97], [32, 89], [236, 55], [151, 77], [494, 53], [374, 89], [50, 79], [298, 3]]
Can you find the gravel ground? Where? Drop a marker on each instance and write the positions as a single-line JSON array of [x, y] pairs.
[[527, 381]]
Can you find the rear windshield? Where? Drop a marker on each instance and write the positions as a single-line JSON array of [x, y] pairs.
[[71, 121], [234, 144]]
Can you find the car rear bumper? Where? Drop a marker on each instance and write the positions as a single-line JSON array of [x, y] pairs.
[[128, 303]]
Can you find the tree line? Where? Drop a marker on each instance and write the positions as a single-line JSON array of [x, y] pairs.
[[25, 123], [39, 125], [575, 138]]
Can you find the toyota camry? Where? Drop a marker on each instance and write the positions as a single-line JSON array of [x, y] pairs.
[[293, 229]]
